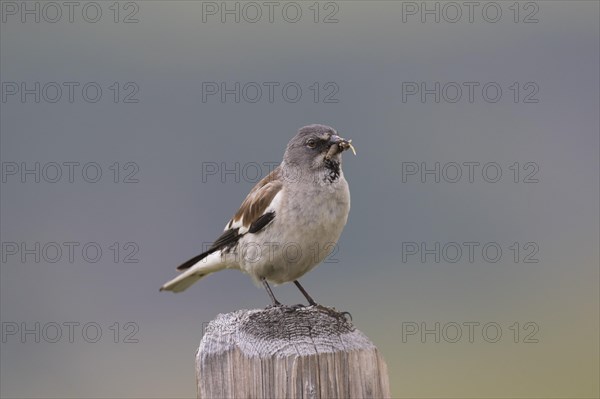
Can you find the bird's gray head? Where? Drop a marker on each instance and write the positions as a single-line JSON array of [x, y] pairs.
[[316, 151]]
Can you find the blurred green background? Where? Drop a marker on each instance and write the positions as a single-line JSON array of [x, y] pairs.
[[357, 68]]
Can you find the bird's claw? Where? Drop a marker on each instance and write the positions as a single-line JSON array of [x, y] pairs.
[[294, 308], [344, 314], [333, 312]]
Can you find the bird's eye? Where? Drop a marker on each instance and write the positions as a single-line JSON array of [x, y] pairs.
[[311, 143]]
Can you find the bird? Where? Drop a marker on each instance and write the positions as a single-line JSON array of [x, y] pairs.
[[289, 222]]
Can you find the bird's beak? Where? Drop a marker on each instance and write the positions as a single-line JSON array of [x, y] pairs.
[[337, 145]]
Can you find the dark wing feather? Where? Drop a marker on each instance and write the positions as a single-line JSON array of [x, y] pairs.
[[193, 261], [261, 222], [226, 240]]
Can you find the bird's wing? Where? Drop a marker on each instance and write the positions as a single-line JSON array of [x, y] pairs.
[[255, 213]]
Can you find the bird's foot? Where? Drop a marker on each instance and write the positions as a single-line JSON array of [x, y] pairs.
[[335, 313], [344, 314], [294, 308], [275, 304]]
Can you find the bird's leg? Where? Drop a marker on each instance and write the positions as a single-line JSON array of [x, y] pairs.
[[311, 301], [273, 299], [303, 291]]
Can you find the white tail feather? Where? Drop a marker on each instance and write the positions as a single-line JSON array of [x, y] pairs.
[[212, 263]]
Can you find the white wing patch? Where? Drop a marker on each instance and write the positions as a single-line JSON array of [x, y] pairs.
[[275, 203]]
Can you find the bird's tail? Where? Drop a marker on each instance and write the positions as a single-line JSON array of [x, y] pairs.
[[203, 267]]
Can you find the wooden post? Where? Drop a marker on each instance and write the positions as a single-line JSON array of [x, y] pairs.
[[283, 352]]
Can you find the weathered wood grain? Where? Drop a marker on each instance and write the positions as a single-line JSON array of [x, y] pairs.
[[288, 353]]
